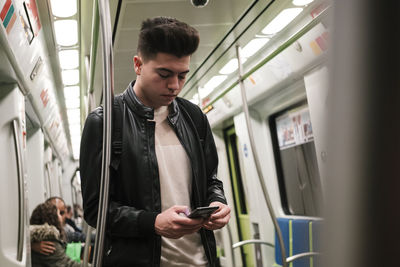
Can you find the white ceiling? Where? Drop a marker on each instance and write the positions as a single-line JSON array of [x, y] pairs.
[[212, 21]]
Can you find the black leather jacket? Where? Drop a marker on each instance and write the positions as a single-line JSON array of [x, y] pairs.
[[135, 188]]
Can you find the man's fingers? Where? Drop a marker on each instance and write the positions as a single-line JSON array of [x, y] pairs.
[[188, 222], [221, 213], [181, 209]]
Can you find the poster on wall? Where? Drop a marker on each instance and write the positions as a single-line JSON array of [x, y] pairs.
[[294, 128]]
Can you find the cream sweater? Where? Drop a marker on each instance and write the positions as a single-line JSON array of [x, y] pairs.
[[176, 189]]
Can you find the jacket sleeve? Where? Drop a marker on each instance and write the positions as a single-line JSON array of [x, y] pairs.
[[215, 190], [122, 220], [58, 258]]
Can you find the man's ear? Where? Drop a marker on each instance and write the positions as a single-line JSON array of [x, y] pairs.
[[137, 63]]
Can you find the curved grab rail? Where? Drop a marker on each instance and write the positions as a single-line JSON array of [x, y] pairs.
[[302, 255], [21, 193], [288, 260], [252, 241], [108, 92]]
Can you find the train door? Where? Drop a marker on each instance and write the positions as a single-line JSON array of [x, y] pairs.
[[241, 210], [14, 237]]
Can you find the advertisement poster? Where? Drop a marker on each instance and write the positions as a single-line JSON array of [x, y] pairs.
[[294, 128]]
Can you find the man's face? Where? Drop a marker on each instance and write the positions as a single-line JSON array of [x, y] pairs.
[[61, 210], [161, 79]]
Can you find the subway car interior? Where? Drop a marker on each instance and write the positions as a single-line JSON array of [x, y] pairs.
[[302, 98]]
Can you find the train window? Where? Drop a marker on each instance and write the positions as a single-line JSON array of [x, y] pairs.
[[296, 160]]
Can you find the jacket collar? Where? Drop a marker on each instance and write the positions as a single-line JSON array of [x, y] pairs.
[[43, 232], [139, 108]]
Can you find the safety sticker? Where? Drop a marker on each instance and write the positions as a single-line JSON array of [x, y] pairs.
[[8, 16]]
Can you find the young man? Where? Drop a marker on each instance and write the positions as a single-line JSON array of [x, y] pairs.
[[166, 166]]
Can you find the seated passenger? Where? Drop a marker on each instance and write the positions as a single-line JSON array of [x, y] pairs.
[[46, 226], [69, 220], [71, 234]]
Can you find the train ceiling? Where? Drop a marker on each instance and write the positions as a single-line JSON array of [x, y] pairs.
[[212, 24]]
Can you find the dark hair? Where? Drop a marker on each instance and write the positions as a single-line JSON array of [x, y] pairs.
[[166, 35], [68, 207], [47, 213]]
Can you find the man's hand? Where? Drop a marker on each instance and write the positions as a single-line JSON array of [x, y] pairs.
[[43, 247], [171, 224], [219, 218]]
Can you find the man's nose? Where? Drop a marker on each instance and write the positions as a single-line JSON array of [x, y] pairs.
[[173, 83]]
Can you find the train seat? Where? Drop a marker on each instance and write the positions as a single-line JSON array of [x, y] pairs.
[[299, 236]]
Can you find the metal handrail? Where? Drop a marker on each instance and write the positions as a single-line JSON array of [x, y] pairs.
[[88, 243], [257, 160], [93, 48], [230, 244], [288, 260], [49, 178], [252, 241], [302, 255], [21, 193], [108, 92]]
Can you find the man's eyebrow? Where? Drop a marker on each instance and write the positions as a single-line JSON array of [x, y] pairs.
[[170, 71]]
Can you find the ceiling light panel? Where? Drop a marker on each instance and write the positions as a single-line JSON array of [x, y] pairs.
[[229, 67], [211, 85], [69, 59], [70, 77], [72, 103], [282, 20], [75, 129], [301, 2], [71, 92], [215, 81], [66, 32], [253, 46], [74, 116], [63, 8]]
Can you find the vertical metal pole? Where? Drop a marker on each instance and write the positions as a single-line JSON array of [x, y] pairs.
[[108, 92], [231, 245], [257, 160], [88, 233], [21, 190]]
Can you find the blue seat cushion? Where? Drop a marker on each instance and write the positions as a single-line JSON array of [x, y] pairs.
[[284, 225], [301, 241]]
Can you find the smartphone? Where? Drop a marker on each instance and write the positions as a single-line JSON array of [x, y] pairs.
[[202, 212]]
